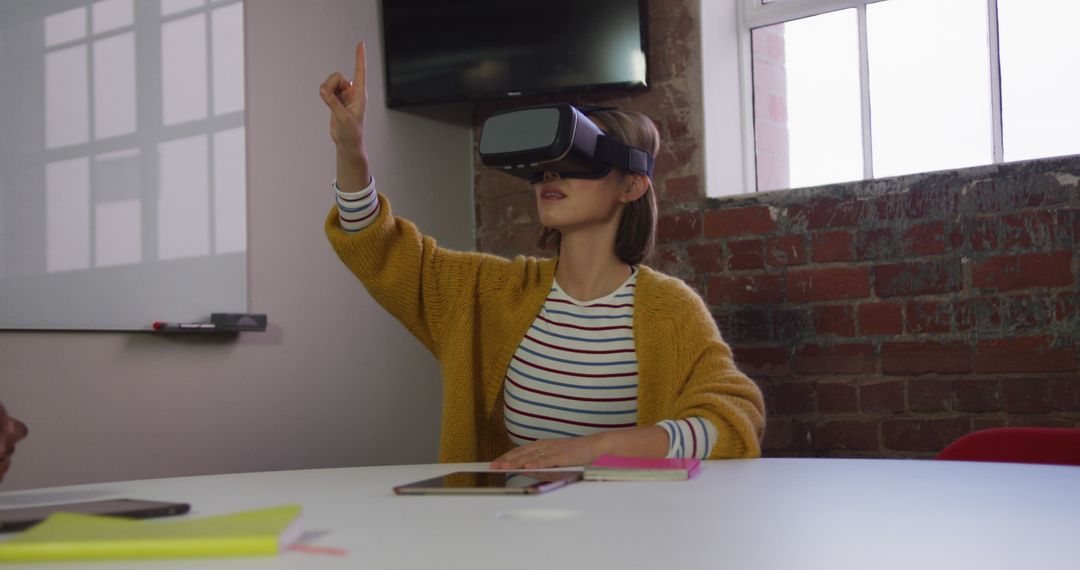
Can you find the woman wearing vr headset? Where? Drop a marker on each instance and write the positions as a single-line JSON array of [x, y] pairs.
[[550, 362]]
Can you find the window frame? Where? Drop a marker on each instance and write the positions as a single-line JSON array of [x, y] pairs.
[[757, 13]]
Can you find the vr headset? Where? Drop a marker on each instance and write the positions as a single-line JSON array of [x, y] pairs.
[[558, 138]]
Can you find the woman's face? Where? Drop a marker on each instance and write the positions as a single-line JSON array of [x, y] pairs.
[[568, 203]]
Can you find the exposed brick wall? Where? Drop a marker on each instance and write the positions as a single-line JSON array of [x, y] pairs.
[[881, 318], [887, 318]]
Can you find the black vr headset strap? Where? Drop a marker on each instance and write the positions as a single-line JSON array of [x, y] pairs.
[[616, 153]]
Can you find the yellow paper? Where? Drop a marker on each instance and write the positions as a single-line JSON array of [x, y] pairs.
[[70, 536]]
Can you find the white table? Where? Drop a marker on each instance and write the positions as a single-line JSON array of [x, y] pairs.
[[772, 514]]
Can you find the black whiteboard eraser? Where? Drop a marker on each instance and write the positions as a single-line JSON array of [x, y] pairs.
[[239, 321]]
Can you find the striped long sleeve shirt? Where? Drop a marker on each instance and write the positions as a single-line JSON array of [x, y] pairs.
[[575, 372]]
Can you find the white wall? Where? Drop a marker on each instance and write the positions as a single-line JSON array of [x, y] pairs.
[[335, 381]]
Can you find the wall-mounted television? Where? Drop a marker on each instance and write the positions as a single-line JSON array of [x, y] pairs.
[[440, 51]]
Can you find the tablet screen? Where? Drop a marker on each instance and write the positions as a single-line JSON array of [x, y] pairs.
[[491, 482]]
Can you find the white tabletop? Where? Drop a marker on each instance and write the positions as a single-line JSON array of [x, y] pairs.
[[766, 513]]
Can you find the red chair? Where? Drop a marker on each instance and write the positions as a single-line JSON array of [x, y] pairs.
[[1059, 446]]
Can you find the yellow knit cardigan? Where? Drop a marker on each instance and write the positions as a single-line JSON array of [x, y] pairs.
[[471, 310]]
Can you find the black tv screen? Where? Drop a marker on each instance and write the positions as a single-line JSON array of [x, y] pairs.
[[461, 50]]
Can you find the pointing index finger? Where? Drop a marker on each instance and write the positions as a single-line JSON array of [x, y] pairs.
[[360, 78]]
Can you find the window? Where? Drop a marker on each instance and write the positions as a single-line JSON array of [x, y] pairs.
[[840, 90]]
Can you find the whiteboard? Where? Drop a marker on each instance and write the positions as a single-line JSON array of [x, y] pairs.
[[122, 163]]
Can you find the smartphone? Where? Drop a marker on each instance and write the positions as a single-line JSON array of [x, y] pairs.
[[25, 517], [491, 483]]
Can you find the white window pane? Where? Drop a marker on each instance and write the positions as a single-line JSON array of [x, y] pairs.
[[183, 69], [183, 199], [67, 97], [174, 6], [230, 192], [114, 86], [67, 215], [1039, 82], [929, 85], [227, 29], [118, 233], [112, 14], [807, 118], [65, 26]]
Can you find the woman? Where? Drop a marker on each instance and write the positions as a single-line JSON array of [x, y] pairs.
[[552, 362], [11, 432]]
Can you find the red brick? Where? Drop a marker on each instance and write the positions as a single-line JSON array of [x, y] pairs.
[[922, 435], [1026, 395], [1006, 194], [786, 435], [1065, 305], [982, 233], [917, 278], [1075, 217], [785, 251], [678, 226], [1013, 272], [882, 397], [746, 254], [833, 213], [792, 325], [837, 398], [928, 202], [930, 395], [881, 243], [853, 435], [750, 220], [777, 435], [1025, 354], [978, 395], [880, 319], [1064, 393], [749, 326], [706, 258], [1027, 229], [835, 359], [929, 317], [665, 258], [831, 246], [675, 155], [913, 358], [926, 239], [828, 284], [747, 289], [1028, 313], [793, 397], [763, 361], [980, 313], [834, 319], [682, 189]]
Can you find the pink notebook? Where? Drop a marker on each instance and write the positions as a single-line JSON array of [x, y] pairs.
[[617, 468]]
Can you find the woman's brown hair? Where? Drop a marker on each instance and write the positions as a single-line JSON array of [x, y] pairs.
[[636, 235]]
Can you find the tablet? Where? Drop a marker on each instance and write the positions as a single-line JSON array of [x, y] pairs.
[[25, 517], [491, 483]]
